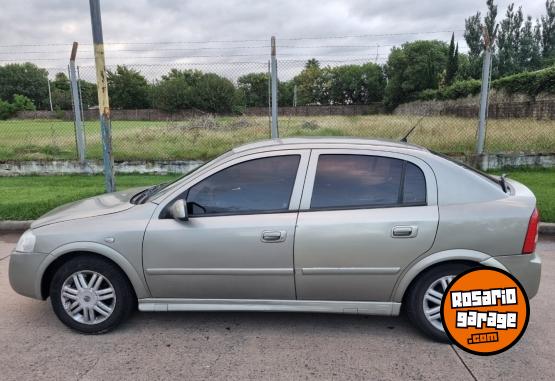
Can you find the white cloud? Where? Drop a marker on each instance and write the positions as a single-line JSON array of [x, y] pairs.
[[47, 22]]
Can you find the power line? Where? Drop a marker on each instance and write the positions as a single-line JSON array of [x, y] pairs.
[[369, 35], [238, 41]]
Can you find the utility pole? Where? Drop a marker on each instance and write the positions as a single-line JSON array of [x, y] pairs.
[[484, 94], [77, 115], [103, 102], [274, 130], [270, 96], [49, 94]]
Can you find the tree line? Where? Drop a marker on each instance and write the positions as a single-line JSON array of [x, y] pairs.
[[424, 69]]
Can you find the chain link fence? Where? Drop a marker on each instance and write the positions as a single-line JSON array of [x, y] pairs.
[[197, 111]]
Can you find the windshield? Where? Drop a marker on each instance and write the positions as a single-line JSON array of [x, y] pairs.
[[500, 182]]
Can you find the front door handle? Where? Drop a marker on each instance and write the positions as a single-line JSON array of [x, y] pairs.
[[273, 236], [404, 231]]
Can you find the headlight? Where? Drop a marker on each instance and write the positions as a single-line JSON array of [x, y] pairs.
[[26, 243]]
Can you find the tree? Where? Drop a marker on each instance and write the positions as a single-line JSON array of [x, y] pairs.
[[174, 91], [25, 79], [548, 33], [508, 42], [213, 93], [254, 87], [356, 84], [529, 52], [61, 92], [312, 84], [127, 88], [414, 67], [473, 38], [89, 94], [452, 62]]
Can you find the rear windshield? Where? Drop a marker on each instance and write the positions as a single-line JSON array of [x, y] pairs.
[[466, 166]]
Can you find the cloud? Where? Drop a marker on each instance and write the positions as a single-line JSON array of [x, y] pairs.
[[52, 22]]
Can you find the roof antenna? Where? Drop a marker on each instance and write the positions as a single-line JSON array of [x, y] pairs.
[[404, 139]]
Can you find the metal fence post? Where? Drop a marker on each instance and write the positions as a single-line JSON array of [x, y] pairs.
[[274, 130], [49, 94], [484, 94], [103, 102], [79, 128]]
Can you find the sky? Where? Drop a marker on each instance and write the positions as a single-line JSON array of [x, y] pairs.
[[231, 36]]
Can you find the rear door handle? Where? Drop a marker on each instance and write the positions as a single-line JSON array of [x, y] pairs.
[[404, 231], [274, 236]]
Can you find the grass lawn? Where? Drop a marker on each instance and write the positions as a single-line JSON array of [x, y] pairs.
[[206, 137], [542, 183], [28, 197]]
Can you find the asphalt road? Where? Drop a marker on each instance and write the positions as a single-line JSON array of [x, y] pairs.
[[34, 344]]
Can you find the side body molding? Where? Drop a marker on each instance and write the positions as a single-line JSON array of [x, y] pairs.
[[422, 264], [136, 280]]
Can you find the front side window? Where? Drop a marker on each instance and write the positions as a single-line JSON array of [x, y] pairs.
[[255, 186], [357, 181]]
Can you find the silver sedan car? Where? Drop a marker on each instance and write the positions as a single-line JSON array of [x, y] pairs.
[[314, 225]]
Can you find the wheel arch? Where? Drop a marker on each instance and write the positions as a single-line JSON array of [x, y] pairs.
[[62, 254], [411, 274]]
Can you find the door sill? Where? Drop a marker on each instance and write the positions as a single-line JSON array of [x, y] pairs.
[[341, 307]]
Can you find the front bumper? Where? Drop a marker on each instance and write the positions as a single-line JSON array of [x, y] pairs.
[[525, 267], [23, 273]]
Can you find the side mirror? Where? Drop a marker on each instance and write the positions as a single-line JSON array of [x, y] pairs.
[[178, 210]]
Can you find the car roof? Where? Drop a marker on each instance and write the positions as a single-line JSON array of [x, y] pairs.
[[310, 142]]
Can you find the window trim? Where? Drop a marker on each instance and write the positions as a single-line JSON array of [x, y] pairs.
[[429, 179], [294, 199]]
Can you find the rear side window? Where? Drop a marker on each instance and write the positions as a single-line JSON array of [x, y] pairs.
[[355, 181], [414, 187], [255, 186]]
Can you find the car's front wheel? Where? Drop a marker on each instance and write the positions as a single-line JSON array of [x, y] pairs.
[[91, 295], [423, 300]]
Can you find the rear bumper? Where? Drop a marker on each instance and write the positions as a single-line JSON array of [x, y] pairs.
[[526, 268], [23, 273]]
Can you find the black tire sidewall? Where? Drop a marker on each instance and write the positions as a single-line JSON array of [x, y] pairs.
[[124, 295], [415, 300]]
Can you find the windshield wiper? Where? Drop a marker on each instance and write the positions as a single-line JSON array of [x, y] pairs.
[[143, 196], [503, 182]]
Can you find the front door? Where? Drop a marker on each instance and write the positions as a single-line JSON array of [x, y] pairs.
[[238, 241], [364, 217]]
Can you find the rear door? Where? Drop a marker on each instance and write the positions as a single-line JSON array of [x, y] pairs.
[[365, 215]]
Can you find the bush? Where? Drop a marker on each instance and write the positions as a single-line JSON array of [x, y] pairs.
[[20, 103], [531, 83], [6, 110]]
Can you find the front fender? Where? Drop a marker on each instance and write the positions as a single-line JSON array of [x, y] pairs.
[[412, 271], [136, 280]]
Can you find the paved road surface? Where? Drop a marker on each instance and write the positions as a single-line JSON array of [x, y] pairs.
[[34, 344]]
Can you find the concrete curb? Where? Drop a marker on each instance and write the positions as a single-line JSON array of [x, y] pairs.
[[546, 228], [15, 225]]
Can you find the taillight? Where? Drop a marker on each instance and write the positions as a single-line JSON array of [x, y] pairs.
[[532, 234]]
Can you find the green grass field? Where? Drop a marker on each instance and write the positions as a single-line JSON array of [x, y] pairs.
[[206, 137], [28, 197]]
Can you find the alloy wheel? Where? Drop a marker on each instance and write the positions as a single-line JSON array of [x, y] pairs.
[[432, 300], [88, 297]]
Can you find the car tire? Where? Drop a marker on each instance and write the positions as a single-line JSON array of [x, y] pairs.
[[423, 300], [89, 304]]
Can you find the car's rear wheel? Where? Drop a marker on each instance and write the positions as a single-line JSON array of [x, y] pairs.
[[91, 294], [423, 300]]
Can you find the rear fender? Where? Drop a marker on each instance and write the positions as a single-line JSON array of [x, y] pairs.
[[441, 257]]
